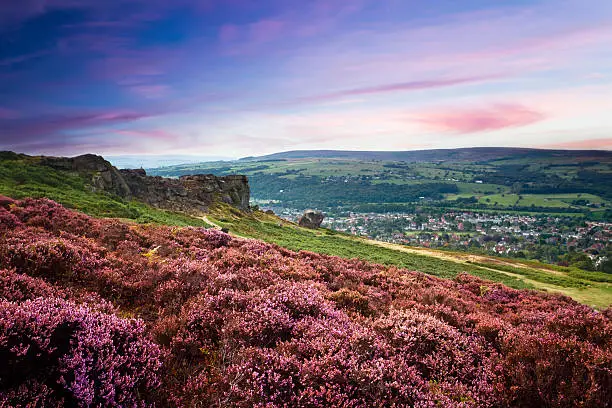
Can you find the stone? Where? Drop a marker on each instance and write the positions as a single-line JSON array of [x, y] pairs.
[[103, 175], [192, 194], [311, 219]]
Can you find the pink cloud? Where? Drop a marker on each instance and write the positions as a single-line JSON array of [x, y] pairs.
[[601, 144], [58, 128], [495, 117], [229, 33], [148, 134], [249, 38], [266, 30], [306, 19]]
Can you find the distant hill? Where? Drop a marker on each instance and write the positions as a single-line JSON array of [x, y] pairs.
[[463, 154], [152, 161]]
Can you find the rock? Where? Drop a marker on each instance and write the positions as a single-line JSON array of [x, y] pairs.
[[189, 194], [104, 176], [311, 219], [269, 212]]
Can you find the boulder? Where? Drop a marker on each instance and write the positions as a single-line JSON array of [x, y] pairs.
[[311, 219]]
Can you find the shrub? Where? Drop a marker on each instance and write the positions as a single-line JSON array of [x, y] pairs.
[[59, 353]]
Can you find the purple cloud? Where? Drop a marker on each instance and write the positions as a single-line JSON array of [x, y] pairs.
[[397, 87], [15, 132]]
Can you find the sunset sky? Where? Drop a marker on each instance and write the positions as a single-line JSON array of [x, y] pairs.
[[247, 77]]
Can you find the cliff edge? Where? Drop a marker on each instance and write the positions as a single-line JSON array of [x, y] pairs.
[[192, 194]]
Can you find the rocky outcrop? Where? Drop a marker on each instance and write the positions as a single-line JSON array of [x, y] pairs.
[[188, 194], [104, 176], [311, 219]]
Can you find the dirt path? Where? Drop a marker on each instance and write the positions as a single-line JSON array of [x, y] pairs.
[[208, 221], [461, 258], [464, 258]]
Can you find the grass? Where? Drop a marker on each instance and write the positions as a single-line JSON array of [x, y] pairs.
[[271, 229], [25, 177], [592, 288], [557, 279], [539, 200]]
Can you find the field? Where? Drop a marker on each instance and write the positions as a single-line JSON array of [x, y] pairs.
[[168, 316], [19, 178], [543, 183]]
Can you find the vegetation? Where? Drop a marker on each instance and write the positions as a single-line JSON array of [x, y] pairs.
[[23, 176], [595, 289], [538, 182], [96, 312]]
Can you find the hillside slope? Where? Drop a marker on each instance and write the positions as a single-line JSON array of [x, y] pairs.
[[91, 184], [193, 317], [569, 183], [469, 154], [25, 176], [592, 288]]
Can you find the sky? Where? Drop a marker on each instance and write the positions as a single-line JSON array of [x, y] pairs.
[[237, 78]]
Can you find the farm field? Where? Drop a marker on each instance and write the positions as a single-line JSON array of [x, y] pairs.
[[540, 200]]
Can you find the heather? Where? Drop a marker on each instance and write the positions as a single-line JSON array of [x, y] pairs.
[[97, 312]]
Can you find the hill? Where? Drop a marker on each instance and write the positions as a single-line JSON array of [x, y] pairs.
[[502, 179], [472, 154], [26, 176], [589, 287], [96, 312], [91, 184], [548, 205]]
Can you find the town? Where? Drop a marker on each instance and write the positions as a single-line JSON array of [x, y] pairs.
[[567, 241]]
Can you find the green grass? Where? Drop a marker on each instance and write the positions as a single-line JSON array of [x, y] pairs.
[[271, 229], [25, 177], [559, 279], [592, 288], [538, 200]]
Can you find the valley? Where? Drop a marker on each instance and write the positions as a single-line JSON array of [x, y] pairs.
[[174, 310], [546, 205]]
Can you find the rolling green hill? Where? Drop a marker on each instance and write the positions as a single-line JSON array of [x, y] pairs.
[[499, 179], [470, 154], [24, 176]]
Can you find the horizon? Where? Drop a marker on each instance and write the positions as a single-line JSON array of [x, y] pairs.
[[240, 78], [153, 161]]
